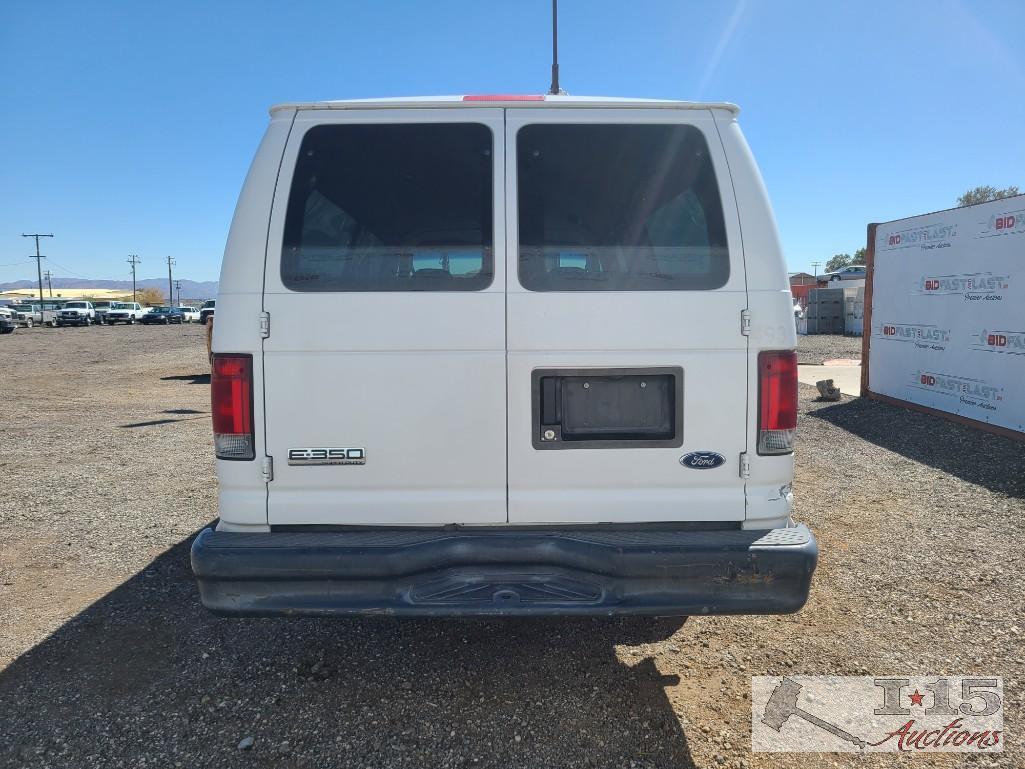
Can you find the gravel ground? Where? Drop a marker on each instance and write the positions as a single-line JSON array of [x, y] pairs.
[[816, 348], [107, 659]]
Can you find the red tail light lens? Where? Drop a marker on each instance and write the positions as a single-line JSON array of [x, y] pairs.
[[777, 401], [231, 401]]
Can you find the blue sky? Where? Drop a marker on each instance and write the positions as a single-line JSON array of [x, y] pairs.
[[127, 127]]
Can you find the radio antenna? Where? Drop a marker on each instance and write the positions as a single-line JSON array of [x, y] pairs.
[[555, 90]]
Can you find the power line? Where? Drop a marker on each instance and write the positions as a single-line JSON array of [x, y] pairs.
[[49, 283], [178, 285], [62, 267], [39, 259]]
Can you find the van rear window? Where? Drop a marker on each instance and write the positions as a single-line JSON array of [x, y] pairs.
[[397, 207], [618, 208]]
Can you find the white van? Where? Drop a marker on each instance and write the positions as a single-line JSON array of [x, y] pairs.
[[504, 355]]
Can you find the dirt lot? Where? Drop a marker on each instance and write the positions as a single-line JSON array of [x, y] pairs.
[[107, 659], [817, 348]]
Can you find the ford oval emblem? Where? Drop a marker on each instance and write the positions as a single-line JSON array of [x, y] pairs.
[[702, 460]]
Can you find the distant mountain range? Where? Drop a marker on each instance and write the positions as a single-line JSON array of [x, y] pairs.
[[191, 289]]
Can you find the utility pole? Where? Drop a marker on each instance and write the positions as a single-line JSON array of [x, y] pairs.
[[39, 259], [170, 283], [178, 285], [815, 266], [133, 260], [49, 283]]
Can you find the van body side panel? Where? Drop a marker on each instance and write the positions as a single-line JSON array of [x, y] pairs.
[[695, 331], [769, 496], [412, 380], [241, 490]]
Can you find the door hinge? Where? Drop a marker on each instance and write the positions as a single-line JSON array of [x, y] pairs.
[[264, 324], [745, 465], [267, 469], [745, 322]]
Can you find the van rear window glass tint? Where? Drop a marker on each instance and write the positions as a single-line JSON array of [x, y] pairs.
[[399, 207], [618, 208]]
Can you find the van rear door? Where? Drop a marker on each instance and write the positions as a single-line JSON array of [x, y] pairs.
[[627, 365], [384, 367]]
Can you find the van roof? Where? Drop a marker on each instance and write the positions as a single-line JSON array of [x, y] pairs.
[[516, 100]]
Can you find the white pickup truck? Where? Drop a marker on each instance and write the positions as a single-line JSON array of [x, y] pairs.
[[125, 312], [77, 314], [28, 314], [191, 314], [8, 323]]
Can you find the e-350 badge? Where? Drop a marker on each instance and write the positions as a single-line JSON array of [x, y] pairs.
[[337, 456]]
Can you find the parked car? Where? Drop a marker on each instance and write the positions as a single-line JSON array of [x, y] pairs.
[[854, 272], [8, 323], [77, 314], [102, 308], [164, 315], [191, 314], [27, 315], [453, 383], [125, 312], [52, 308], [30, 314], [206, 312]]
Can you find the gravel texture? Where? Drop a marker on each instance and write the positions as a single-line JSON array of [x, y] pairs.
[[816, 348], [108, 660]]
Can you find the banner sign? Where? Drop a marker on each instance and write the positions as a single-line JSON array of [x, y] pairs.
[[948, 312]]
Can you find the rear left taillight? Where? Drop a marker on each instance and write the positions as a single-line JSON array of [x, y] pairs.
[[231, 401], [777, 401]]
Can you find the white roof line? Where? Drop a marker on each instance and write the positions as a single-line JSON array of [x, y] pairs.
[[415, 102]]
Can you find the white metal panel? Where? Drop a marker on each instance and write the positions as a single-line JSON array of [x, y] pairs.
[[948, 312], [769, 501], [763, 254], [241, 491], [241, 269], [772, 325], [367, 366], [696, 330], [417, 379], [539, 101]]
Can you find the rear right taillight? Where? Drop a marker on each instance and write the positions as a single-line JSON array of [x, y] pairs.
[[231, 401], [777, 401]]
